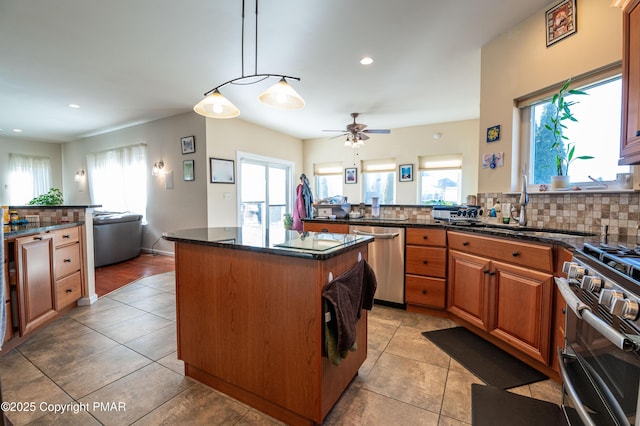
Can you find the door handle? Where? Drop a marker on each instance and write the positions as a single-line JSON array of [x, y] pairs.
[[380, 236]]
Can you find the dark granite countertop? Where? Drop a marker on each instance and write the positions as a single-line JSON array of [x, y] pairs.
[[568, 238], [15, 231], [312, 245]]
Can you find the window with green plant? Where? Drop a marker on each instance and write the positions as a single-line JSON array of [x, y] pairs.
[[573, 126]]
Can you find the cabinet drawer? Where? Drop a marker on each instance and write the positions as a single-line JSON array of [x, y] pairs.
[[426, 237], [520, 253], [336, 228], [429, 261], [425, 291], [66, 236], [68, 290], [67, 260]]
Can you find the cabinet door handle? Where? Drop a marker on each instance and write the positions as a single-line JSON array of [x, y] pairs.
[[465, 243], [424, 291], [69, 290], [425, 237], [66, 236], [492, 273], [486, 271], [425, 261], [515, 254], [37, 238], [637, 132], [67, 260]]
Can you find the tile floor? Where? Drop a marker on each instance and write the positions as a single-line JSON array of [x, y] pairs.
[[115, 363]]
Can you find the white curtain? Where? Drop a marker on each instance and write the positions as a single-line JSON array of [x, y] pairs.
[[118, 179], [28, 178]]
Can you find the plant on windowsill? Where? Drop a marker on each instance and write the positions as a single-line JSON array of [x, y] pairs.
[[564, 150], [51, 198]]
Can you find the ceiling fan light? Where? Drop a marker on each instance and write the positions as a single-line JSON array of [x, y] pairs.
[[282, 96], [216, 106]]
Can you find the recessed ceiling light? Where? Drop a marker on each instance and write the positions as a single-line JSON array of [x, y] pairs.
[[366, 60], [76, 106], [17, 130]]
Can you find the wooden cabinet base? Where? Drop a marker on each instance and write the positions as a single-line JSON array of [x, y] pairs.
[[250, 325]]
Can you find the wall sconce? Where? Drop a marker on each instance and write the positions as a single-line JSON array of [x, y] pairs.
[[79, 175], [157, 168]]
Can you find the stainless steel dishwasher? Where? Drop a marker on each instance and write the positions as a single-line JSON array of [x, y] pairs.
[[386, 257]]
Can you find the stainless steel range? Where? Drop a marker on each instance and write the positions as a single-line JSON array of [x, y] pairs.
[[456, 213], [600, 363]]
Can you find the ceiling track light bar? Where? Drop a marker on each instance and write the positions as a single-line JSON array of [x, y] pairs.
[[280, 95]]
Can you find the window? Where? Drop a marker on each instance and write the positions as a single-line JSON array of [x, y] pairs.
[[29, 177], [118, 179], [379, 180], [328, 180], [440, 179], [596, 133]]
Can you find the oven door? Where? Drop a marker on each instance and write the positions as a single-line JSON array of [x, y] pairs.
[[600, 378]]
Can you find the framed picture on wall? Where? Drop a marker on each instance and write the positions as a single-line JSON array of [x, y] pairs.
[[406, 172], [188, 172], [351, 175], [188, 144], [561, 21], [222, 171]]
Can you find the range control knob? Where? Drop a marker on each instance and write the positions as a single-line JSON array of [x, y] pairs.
[[574, 271], [473, 213], [459, 213], [625, 308], [591, 283], [607, 297]]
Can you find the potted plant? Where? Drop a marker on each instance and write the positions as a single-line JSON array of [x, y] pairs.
[[288, 221], [51, 198], [564, 150]]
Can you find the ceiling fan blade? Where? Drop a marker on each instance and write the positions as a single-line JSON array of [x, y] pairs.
[[380, 131], [362, 137], [341, 131], [338, 136], [359, 127]]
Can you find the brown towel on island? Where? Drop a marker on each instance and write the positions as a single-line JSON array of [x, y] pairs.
[[345, 297]]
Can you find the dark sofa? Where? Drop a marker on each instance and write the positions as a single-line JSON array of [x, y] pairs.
[[116, 237]]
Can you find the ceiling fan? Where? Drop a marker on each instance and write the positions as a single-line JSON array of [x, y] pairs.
[[356, 133]]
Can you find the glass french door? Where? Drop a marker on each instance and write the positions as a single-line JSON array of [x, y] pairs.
[[265, 196]]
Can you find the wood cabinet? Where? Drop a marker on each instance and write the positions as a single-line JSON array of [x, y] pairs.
[[425, 268], [505, 288], [630, 134], [68, 266], [336, 228], [36, 289]]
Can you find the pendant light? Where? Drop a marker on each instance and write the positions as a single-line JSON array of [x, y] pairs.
[[281, 95]]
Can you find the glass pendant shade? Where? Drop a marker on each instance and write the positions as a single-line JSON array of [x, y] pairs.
[[216, 106], [282, 96]]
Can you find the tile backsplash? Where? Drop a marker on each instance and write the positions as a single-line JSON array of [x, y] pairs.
[[576, 211], [579, 211]]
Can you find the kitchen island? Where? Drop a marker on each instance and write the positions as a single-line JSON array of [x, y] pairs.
[[250, 317]]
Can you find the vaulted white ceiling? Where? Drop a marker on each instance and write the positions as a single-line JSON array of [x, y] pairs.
[[131, 61]]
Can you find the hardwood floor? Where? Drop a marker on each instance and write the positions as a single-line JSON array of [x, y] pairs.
[[112, 277]]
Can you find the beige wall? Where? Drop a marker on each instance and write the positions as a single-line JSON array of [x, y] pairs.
[[224, 139], [405, 145], [184, 206], [518, 63], [10, 145]]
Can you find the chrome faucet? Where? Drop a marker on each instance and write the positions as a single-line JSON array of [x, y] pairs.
[[524, 200]]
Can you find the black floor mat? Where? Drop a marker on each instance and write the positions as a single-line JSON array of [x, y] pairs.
[[491, 406], [491, 364]]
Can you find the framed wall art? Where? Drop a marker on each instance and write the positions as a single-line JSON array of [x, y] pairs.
[[351, 175], [493, 133], [188, 144], [561, 21], [188, 170], [222, 171], [406, 172]]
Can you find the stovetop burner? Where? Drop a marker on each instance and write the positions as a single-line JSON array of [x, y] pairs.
[[621, 258]]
